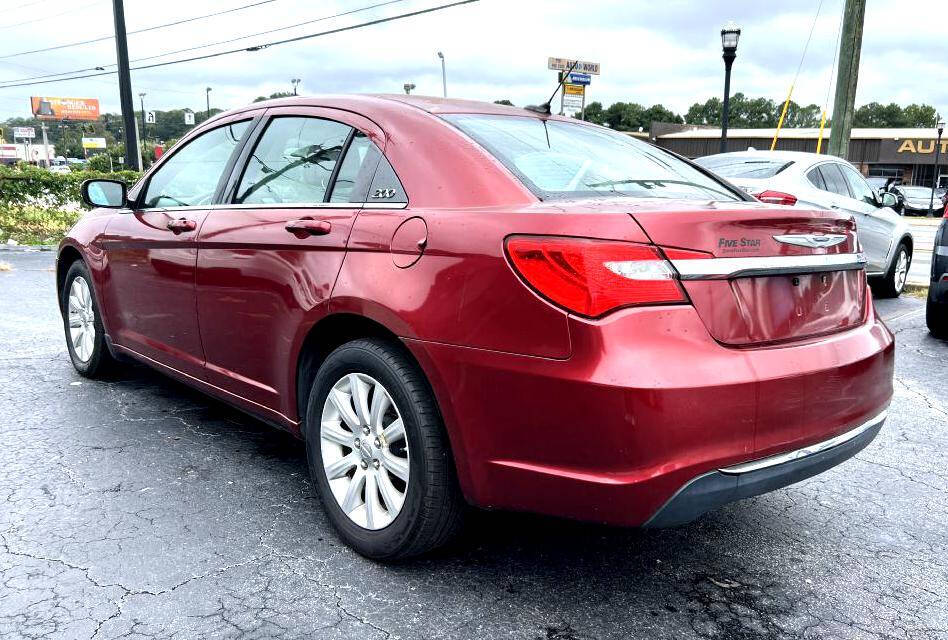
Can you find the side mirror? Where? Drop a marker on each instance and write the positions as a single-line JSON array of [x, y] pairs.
[[110, 194], [889, 199]]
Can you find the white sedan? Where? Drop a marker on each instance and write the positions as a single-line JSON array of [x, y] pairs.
[[810, 180]]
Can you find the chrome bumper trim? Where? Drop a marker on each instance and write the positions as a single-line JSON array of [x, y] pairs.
[[782, 458], [724, 268]]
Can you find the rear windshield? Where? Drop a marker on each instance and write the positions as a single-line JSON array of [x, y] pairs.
[[743, 167], [556, 159]]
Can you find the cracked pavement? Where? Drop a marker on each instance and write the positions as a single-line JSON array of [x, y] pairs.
[[137, 508]]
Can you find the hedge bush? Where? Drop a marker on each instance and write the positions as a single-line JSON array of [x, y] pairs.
[[35, 225], [29, 186]]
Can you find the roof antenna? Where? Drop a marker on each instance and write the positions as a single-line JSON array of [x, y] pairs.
[[545, 107]]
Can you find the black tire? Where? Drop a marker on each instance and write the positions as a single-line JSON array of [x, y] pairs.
[[936, 317], [887, 287], [433, 506], [100, 362]]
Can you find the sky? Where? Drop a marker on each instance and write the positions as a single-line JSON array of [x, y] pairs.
[[651, 51]]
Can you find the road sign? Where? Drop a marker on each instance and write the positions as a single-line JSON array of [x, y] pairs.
[[93, 143], [24, 132], [150, 117], [572, 102], [565, 64], [574, 89], [579, 78], [189, 118]]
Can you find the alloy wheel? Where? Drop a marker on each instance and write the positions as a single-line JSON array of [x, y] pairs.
[[364, 451], [901, 270], [81, 319]]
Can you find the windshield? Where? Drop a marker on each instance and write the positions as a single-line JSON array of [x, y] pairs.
[[917, 192], [744, 166], [557, 159]]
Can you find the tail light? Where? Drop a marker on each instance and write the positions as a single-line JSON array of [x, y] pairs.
[[776, 197], [592, 277]]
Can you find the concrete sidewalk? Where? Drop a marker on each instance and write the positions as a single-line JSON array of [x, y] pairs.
[[923, 231]]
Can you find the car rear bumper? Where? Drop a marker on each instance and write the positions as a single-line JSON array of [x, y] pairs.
[[646, 403], [716, 488]]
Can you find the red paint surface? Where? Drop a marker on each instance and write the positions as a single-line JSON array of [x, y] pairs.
[[596, 419]]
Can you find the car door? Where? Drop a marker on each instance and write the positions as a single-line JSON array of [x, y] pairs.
[[151, 251], [841, 198], [269, 257], [874, 230]]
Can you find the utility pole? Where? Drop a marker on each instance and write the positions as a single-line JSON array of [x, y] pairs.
[[207, 94], [847, 74], [132, 152]]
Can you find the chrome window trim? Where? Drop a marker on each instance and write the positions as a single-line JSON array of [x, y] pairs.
[[286, 205], [724, 268], [797, 454]]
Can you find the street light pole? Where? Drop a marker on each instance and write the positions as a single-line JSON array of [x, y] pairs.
[[931, 201], [444, 77], [295, 82], [141, 96], [207, 94], [730, 34]]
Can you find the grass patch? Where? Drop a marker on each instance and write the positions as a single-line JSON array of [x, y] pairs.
[[35, 225]]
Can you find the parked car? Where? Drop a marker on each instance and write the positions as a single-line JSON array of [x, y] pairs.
[[810, 180], [936, 310], [459, 303], [917, 201]]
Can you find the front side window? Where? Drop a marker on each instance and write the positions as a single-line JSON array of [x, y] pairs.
[[190, 176], [858, 185], [556, 159], [293, 162]]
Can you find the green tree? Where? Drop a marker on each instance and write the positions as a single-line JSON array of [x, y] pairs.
[[278, 94], [708, 112], [920, 115], [594, 113]]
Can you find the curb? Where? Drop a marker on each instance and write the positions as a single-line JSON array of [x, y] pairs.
[[28, 247]]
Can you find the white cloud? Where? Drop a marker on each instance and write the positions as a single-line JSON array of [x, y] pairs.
[[651, 52]]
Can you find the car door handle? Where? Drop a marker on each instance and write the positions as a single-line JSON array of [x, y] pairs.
[[182, 224], [308, 227]]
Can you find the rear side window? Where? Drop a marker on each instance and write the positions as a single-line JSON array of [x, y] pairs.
[[744, 167], [293, 161], [814, 176], [556, 159], [834, 180]]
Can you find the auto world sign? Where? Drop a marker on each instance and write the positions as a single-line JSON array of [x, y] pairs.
[[911, 150], [565, 64]]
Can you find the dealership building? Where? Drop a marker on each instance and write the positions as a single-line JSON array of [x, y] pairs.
[[904, 154]]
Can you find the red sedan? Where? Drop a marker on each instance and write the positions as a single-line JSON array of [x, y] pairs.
[[459, 303]]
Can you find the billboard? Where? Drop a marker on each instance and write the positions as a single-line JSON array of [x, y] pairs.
[[49, 108], [93, 143]]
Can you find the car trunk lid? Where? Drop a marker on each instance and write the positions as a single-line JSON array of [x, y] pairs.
[[759, 275]]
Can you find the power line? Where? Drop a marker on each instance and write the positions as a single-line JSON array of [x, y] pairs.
[[153, 28], [55, 15], [253, 48], [203, 46]]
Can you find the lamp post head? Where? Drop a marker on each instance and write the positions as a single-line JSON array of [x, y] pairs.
[[730, 34], [941, 127], [441, 55], [208, 90], [408, 86]]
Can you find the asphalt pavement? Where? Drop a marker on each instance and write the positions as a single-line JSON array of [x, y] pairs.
[[138, 508]]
